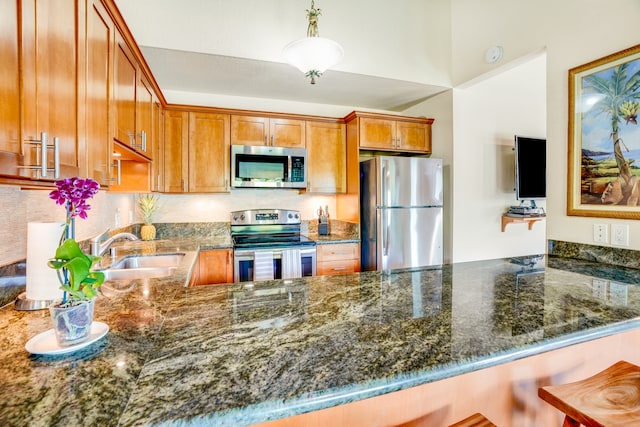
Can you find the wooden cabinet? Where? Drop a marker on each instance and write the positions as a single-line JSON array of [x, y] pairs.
[[126, 80], [68, 73], [392, 133], [10, 141], [339, 258], [144, 117], [133, 97], [157, 147], [50, 83], [196, 152], [215, 266], [326, 157], [99, 38], [208, 153], [413, 136], [176, 151], [259, 130]]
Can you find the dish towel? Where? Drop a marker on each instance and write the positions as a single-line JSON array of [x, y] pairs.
[[291, 266], [263, 265]]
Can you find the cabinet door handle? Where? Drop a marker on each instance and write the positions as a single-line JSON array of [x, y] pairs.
[[144, 141], [56, 157], [266, 141], [117, 165], [272, 140], [44, 146], [43, 154], [338, 268]]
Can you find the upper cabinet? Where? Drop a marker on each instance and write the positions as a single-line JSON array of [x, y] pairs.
[[263, 130], [10, 141], [326, 157], [196, 152], [99, 39], [157, 147], [175, 171], [391, 133], [133, 97], [144, 117], [209, 152], [50, 87], [72, 92], [126, 80]]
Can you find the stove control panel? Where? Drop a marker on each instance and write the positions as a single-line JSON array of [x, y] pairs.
[[265, 216]]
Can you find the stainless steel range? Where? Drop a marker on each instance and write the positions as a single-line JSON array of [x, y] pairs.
[[267, 244]]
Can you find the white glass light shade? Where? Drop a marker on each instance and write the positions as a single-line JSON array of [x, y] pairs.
[[313, 54]]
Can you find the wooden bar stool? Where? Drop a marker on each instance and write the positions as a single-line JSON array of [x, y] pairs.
[[609, 398], [475, 420]]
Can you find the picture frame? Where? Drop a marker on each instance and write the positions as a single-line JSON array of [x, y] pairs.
[[604, 137]]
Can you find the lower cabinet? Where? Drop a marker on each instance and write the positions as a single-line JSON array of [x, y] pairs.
[[340, 258], [213, 267]]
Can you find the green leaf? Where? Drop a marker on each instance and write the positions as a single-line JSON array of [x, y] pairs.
[[82, 282], [69, 250]]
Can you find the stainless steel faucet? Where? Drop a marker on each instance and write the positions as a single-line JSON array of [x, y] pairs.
[[98, 248]]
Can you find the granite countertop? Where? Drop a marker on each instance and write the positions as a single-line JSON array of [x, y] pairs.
[[239, 354]]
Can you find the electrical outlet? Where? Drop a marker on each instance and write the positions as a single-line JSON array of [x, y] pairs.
[[620, 234], [600, 233]]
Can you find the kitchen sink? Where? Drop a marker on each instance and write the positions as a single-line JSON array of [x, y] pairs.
[[143, 266], [149, 261]]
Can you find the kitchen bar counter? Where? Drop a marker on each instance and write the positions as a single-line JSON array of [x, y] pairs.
[[242, 354]]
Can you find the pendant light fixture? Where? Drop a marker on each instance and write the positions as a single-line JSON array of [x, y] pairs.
[[313, 54]]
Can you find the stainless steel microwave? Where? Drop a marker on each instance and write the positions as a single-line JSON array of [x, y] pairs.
[[268, 167]]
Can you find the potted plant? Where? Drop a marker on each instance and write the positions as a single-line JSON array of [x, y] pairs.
[[73, 315], [148, 205]]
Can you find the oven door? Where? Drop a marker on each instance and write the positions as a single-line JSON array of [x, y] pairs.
[[243, 262]]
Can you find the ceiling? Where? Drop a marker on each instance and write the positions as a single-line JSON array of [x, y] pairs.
[[198, 68]]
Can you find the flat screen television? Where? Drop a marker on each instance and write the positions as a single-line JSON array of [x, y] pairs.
[[531, 168]]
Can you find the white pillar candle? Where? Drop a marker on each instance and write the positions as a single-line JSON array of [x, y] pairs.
[[42, 241]]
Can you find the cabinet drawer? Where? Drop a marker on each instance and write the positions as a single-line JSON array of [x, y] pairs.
[[337, 267], [338, 252]]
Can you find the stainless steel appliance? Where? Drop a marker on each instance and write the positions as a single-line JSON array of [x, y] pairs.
[[268, 167], [272, 236], [401, 212]]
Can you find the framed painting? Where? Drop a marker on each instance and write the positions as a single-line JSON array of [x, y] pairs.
[[604, 137]]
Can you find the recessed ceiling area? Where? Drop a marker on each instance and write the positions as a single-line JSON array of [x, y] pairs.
[[394, 56], [224, 75]]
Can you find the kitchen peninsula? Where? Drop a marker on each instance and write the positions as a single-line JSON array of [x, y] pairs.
[[241, 354]]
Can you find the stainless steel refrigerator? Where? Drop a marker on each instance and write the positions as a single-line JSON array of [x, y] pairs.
[[401, 212]]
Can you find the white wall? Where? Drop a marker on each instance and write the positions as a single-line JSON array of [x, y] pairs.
[[573, 32], [487, 115]]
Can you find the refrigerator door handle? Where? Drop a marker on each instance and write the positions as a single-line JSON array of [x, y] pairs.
[[385, 234], [384, 166]]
